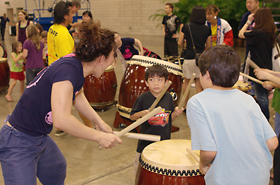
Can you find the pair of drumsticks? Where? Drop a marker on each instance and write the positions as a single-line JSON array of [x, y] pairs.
[[152, 111], [255, 66]]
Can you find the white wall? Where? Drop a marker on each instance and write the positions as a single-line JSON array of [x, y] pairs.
[[124, 16]]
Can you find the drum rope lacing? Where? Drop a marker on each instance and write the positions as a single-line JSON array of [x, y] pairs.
[[168, 171]]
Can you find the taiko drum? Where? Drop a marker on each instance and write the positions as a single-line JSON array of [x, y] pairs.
[[133, 84], [167, 162], [4, 70], [101, 92]]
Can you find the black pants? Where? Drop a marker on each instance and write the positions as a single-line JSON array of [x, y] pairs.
[[276, 165], [3, 31], [170, 47]]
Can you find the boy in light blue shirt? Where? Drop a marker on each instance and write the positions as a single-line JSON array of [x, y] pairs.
[[227, 125]]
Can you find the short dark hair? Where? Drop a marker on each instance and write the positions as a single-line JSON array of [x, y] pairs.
[[198, 15], [170, 5], [76, 3], [44, 34], [61, 9], [156, 70], [88, 13], [93, 42], [222, 63]]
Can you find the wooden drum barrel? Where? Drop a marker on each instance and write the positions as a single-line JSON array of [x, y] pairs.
[[4, 75], [101, 92], [167, 162], [133, 84]]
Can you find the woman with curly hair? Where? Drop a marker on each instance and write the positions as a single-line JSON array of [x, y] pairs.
[[26, 150]]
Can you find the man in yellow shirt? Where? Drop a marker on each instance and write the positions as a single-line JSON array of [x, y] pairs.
[[60, 42]]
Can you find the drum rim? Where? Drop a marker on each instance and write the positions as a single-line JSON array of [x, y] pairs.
[[172, 68], [164, 167]]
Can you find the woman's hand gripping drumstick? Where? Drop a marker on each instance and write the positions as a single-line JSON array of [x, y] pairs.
[[138, 122], [160, 96], [251, 78], [183, 99]]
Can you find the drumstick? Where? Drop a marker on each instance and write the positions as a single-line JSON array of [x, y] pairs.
[[252, 64], [147, 137], [193, 155], [179, 60], [160, 96], [183, 99], [137, 123], [251, 78]]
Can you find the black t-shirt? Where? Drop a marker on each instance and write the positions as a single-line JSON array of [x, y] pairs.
[[260, 47], [200, 33], [157, 125], [171, 24], [33, 114], [127, 49]]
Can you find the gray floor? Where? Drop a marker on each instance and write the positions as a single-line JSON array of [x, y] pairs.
[[86, 163]]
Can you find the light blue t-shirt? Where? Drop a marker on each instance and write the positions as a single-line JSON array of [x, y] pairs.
[[231, 123]]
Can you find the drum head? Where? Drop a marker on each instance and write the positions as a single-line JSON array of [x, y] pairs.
[[3, 53], [170, 157]]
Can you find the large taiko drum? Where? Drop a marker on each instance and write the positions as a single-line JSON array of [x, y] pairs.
[[101, 92], [133, 84], [4, 75], [168, 162]]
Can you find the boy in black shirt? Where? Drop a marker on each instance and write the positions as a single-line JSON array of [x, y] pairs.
[[155, 78]]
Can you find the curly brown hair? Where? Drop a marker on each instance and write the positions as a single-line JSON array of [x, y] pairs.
[[93, 42]]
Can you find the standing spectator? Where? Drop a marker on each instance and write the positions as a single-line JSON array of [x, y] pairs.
[[60, 42], [260, 42], [200, 34], [75, 7], [21, 26], [33, 52], [4, 20], [221, 30], [170, 23], [16, 70], [252, 6]]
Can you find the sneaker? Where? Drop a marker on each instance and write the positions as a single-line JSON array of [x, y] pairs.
[[59, 133]]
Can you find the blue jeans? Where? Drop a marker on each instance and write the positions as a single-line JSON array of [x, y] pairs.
[[262, 97], [277, 124], [24, 157]]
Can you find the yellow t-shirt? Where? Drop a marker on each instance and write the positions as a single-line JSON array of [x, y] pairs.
[[60, 42], [214, 35]]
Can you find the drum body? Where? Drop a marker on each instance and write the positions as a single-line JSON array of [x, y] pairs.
[[4, 75], [167, 162], [101, 92], [133, 84]]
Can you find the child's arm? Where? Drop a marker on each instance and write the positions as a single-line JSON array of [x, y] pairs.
[[206, 158], [24, 53], [272, 143], [139, 115], [176, 113], [16, 59]]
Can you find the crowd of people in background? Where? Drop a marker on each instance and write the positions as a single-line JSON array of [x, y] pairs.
[[91, 49]]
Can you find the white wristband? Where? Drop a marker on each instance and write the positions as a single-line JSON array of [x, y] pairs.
[[249, 22]]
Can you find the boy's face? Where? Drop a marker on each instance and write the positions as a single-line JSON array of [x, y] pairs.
[[156, 84]]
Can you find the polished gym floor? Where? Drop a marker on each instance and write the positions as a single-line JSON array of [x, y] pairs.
[[86, 164]]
